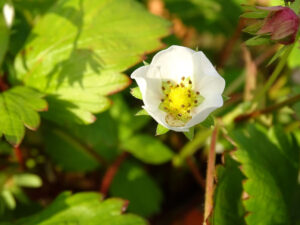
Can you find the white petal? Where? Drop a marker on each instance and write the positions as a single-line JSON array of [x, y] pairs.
[[207, 79], [149, 87], [210, 103], [9, 13], [159, 116], [172, 64]]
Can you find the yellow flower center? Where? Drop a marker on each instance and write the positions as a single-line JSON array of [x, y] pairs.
[[178, 102]]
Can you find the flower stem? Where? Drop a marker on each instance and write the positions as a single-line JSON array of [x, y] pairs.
[[210, 176], [111, 172], [275, 74]]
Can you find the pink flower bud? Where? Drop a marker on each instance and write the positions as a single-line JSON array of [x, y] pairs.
[[281, 23]]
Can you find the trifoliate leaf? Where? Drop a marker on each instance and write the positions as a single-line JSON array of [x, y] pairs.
[[77, 51], [136, 92], [18, 107], [84, 209], [160, 129], [148, 149], [134, 184], [270, 162]]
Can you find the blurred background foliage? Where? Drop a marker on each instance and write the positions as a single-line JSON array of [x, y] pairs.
[[62, 58]]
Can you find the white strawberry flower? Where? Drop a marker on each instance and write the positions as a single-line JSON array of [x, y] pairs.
[[9, 13], [180, 88]]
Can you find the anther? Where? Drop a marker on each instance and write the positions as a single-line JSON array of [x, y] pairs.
[[182, 78], [189, 111], [196, 101], [163, 88], [168, 82], [189, 95], [190, 82], [181, 84], [182, 106], [162, 100], [177, 85], [179, 114], [197, 92]]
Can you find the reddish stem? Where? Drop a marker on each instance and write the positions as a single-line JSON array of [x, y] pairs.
[[111, 172], [209, 191], [19, 156], [3, 84]]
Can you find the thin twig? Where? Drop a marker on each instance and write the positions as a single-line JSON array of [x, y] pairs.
[[111, 172], [195, 171], [269, 109], [210, 177]]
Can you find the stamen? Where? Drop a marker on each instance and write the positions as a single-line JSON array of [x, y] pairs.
[[178, 101]]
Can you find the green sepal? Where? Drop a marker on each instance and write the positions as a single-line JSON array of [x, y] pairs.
[[142, 112], [255, 15], [136, 92], [258, 40], [208, 122], [253, 28], [190, 133], [225, 98], [160, 129]]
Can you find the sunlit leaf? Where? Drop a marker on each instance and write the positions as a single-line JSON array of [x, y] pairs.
[[84, 209], [18, 107], [77, 51]]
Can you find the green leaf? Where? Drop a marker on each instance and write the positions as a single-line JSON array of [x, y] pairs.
[[4, 36], [228, 208], [77, 51], [133, 183], [27, 180], [160, 129], [68, 152], [136, 92], [74, 147], [258, 40], [270, 162], [142, 112], [18, 107], [148, 149], [84, 209], [208, 122], [190, 133]]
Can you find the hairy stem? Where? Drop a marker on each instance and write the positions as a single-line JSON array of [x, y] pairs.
[[210, 176], [269, 109]]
